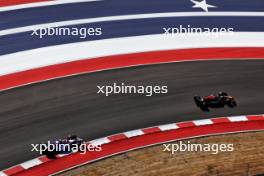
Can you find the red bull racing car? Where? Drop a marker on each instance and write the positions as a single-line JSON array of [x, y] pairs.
[[215, 101]]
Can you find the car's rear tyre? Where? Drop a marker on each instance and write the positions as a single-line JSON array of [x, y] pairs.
[[231, 104]]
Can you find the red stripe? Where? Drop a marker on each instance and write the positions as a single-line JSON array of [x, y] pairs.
[[119, 61], [185, 124], [139, 141], [43, 159], [221, 120], [151, 130], [14, 170], [117, 137], [255, 117], [17, 2]]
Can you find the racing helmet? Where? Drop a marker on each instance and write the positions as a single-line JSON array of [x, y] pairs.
[[71, 137]]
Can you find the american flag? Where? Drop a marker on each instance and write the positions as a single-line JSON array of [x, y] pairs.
[[132, 32]]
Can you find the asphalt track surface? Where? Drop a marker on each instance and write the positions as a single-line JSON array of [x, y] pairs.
[[53, 109]]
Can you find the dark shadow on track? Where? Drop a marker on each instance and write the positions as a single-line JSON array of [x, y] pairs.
[[53, 109]]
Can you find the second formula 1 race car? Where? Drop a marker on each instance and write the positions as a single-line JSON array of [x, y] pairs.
[[215, 101], [63, 146]]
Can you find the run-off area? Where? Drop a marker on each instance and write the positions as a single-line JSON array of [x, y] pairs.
[[246, 159]]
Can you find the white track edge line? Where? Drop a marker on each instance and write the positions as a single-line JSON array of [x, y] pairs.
[[41, 57]]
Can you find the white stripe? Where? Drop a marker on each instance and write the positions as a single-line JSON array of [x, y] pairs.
[[2, 173], [41, 57], [126, 17], [133, 133], [100, 141], [31, 163], [203, 122], [238, 118], [168, 127], [62, 155], [41, 4]]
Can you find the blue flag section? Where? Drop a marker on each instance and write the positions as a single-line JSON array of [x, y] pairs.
[[123, 18]]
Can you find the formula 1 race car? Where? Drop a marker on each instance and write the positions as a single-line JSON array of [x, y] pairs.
[[63, 146], [215, 101]]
